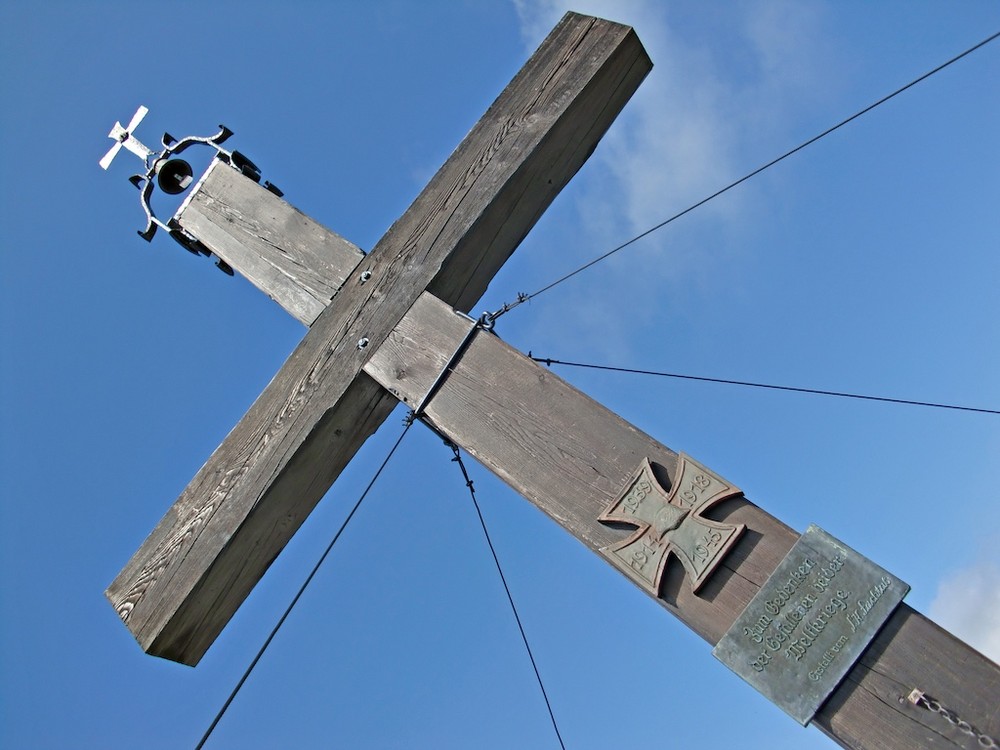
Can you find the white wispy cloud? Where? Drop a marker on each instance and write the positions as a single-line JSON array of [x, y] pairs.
[[717, 88], [968, 604], [715, 106]]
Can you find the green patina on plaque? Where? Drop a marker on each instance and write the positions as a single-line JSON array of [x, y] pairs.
[[809, 623]]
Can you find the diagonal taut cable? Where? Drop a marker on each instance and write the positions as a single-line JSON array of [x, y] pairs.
[[503, 579], [814, 391], [298, 595], [522, 297]]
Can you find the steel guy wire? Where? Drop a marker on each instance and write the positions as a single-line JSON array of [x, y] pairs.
[[298, 595], [503, 579], [815, 391], [523, 297]]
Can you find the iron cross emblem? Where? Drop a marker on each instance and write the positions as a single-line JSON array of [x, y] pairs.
[[671, 522]]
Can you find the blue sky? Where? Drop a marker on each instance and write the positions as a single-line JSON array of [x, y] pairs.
[[866, 263]]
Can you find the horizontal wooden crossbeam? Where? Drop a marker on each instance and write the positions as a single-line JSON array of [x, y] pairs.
[[199, 564]]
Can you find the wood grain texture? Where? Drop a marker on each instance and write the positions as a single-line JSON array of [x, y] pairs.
[[188, 578], [294, 260], [870, 709], [567, 454], [570, 456]]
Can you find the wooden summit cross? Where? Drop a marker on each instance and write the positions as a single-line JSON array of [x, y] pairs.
[[384, 328]]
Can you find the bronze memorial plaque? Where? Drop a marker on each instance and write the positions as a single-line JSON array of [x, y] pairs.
[[809, 623]]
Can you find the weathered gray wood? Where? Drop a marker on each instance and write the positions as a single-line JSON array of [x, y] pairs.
[[563, 451], [570, 456], [870, 709], [188, 578], [294, 260]]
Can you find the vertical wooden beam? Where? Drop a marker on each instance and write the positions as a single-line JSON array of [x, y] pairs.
[[294, 260], [570, 457]]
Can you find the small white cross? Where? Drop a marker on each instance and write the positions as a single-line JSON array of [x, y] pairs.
[[123, 137]]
